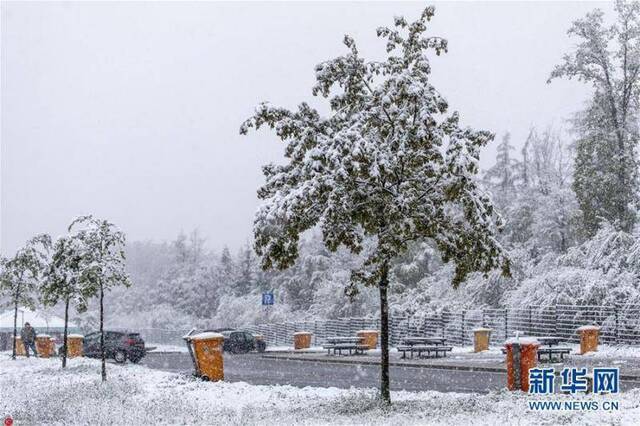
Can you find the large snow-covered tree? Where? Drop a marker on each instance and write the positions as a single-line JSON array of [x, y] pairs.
[[606, 172], [102, 263], [389, 163], [20, 276]]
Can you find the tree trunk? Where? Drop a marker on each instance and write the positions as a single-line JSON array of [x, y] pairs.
[[15, 322], [65, 334], [102, 356], [384, 337]]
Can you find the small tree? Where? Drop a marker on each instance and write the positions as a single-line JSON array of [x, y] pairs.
[[102, 263], [388, 164], [19, 276], [61, 281]]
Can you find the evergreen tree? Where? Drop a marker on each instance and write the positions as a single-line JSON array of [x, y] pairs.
[[227, 268], [502, 177], [247, 277], [388, 164]]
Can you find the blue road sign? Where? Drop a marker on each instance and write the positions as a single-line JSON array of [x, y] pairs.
[[268, 299]]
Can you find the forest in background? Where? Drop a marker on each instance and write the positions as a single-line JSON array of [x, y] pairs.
[[181, 284]]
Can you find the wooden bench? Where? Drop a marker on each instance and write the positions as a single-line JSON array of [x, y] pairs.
[[339, 347], [422, 348]]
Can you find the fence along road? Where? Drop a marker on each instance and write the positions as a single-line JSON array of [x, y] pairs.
[[620, 326]]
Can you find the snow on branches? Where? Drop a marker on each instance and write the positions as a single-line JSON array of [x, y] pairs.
[[389, 163]]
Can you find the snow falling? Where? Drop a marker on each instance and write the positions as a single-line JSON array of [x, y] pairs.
[[239, 214]]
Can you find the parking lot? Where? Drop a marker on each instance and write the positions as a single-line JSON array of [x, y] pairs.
[[254, 369]]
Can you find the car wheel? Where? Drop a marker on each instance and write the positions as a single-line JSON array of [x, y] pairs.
[[120, 357], [136, 359]]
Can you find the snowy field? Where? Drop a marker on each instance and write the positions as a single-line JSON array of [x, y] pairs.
[[38, 391]]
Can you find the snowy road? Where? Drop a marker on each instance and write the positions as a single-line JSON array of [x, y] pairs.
[[253, 369]]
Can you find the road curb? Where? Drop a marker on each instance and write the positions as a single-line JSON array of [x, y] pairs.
[[393, 363], [625, 377]]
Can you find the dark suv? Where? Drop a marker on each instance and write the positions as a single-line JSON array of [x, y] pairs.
[[120, 346], [242, 342]]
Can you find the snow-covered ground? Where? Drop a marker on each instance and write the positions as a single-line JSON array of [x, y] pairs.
[[38, 391]]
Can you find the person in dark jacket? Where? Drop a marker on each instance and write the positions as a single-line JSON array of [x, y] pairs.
[[28, 335]]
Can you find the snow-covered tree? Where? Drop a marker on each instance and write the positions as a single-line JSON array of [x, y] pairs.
[[227, 268], [389, 163], [20, 276], [503, 175], [102, 263], [607, 57], [247, 271], [61, 281], [542, 214]]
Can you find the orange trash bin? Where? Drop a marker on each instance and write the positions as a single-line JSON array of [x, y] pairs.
[[368, 337], [528, 359], [74, 345], [481, 337], [43, 345], [302, 340], [20, 347], [589, 336], [206, 349]]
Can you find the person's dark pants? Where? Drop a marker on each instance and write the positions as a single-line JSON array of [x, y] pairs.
[[31, 345]]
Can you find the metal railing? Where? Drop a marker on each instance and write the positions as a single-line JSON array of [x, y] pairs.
[[619, 325]]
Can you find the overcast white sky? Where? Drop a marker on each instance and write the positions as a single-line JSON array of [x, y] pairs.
[[130, 111]]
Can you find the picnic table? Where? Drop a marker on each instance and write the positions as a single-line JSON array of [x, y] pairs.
[[549, 340], [345, 343], [420, 344], [549, 345], [419, 340]]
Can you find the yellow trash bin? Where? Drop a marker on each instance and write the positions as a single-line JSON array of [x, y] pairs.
[[20, 346], [302, 340], [74, 345], [206, 349], [588, 338], [481, 337], [368, 337], [43, 345]]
